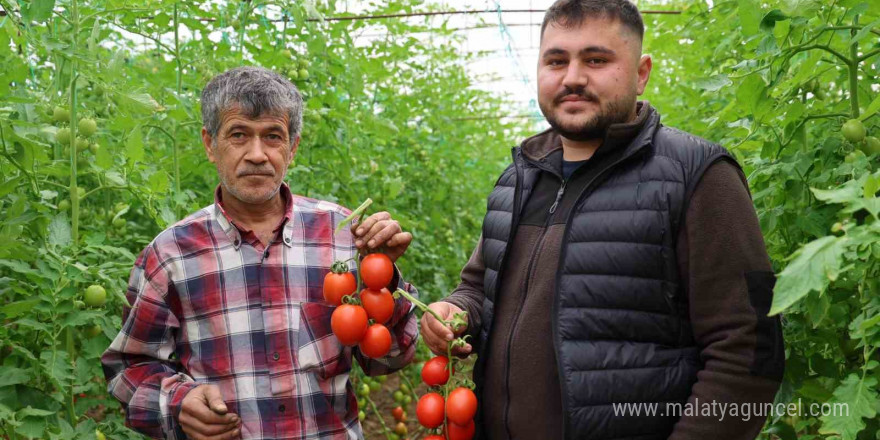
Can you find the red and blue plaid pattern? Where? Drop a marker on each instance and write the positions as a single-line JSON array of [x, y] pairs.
[[211, 305]]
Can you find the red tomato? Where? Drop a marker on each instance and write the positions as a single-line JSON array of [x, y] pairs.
[[349, 324], [379, 304], [337, 285], [377, 271], [435, 437], [429, 410], [455, 431], [376, 342], [398, 414], [435, 371], [461, 406]]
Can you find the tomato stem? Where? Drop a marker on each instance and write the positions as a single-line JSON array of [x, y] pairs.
[[357, 212], [420, 305], [378, 416]]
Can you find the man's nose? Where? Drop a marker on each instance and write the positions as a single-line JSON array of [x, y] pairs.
[[575, 76]]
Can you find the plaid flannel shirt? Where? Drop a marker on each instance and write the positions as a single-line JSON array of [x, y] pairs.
[[211, 305]]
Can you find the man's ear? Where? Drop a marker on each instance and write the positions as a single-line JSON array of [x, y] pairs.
[[644, 72], [294, 146], [207, 140]]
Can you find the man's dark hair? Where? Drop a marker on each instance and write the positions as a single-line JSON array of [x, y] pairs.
[[572, 13]]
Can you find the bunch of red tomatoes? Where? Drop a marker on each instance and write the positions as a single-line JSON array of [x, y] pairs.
[[455, 413], [360, 319]]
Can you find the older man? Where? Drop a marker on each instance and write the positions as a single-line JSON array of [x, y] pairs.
[[227, 335]]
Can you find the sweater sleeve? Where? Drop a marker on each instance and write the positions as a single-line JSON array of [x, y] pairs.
[[469, 294], [729, 279]]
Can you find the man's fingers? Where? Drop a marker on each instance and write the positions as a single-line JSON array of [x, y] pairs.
[[215, 400], [370, 221], [389, 228], [401, 239], [205, 415], [194, 425]]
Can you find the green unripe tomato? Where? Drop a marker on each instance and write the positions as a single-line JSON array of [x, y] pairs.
[[853, 130], [404, 388], [82, 144], [362, 415], [292, 75], [80, 192], [62, 136], [303, 74], [93, 330], [94, 148], [95, 296], [60, 114], [837, 227], [398, 396], [87, 127], [99, 435], [119, 222], [364, 390], [382, 379], [375, 386], [870, 146], [64, 205], [285, 54], [407, 399]]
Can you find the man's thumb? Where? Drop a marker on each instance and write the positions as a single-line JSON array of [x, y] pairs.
[[215, 400]]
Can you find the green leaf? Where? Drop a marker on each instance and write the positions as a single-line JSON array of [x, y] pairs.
[[769, 20], [59, 231], [749, 16], [13, 376], [865, 31], [814, 265], [860, 398], [38, 10], [713, 83], [134, 145], [872, 108], [847, 193], [17, 308]]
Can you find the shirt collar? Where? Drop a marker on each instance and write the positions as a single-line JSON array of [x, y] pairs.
[[234, 232]]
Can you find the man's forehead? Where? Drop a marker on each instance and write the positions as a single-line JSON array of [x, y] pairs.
[[234, 114], [604, 28]]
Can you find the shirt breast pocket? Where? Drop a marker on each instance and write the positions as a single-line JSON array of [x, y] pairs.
[[318, 349]]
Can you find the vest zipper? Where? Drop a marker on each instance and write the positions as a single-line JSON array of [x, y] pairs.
[[558, 196]]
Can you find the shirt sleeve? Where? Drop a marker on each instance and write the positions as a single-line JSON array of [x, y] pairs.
[[139, 367], [729, 279]]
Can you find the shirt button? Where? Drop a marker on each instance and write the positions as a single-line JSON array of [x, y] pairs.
[[236, 242], [287, 239], [276, 356], [281, 408]]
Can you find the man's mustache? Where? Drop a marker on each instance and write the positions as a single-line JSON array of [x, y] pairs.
[[580, 92], [256, 172]]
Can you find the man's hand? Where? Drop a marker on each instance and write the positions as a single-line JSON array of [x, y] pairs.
[[436, 335], [203, 415], [380, 229]]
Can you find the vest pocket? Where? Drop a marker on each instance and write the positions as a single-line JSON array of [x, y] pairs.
[[318, 349], [769, 358]]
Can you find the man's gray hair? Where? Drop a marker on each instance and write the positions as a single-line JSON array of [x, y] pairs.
[[254, 91]]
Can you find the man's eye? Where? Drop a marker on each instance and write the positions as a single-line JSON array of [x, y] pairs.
[[274, 137], [596, 61], [555, 62], [237, 135]]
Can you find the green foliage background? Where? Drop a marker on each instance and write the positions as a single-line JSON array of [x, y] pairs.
[[393, 120]]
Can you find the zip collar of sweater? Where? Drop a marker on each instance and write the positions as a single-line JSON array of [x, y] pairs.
[[621, 139]]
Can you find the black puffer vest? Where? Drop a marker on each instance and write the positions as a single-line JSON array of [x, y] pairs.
[[620, 323]]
